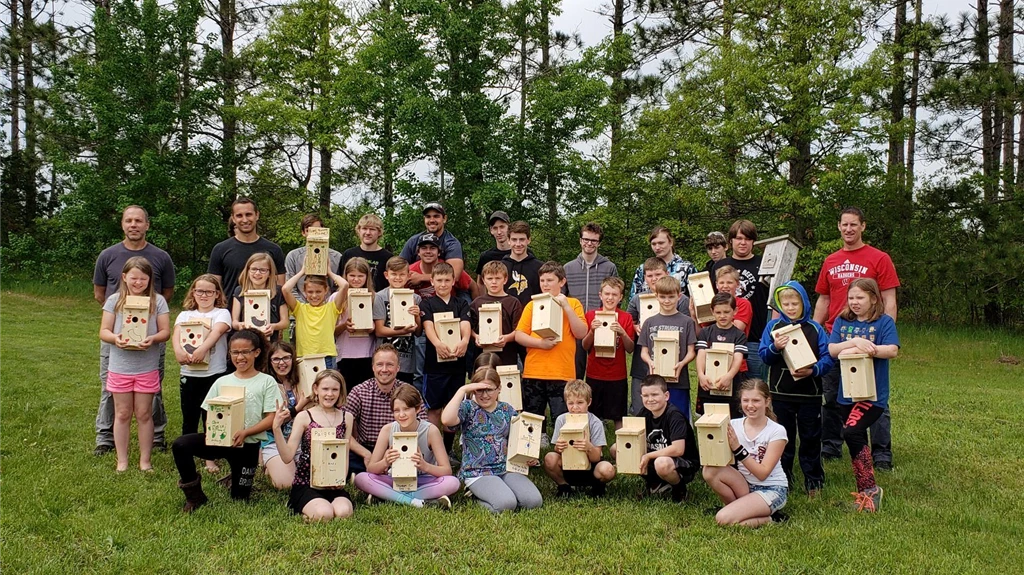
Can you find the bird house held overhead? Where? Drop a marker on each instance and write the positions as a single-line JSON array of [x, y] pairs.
[[360, 311], [328, 458], [630, 445], [309, 367], [713, 435], [403, 470], [489, 329], [191, 334], [135, 315], [547, 317], [798, 353], [401, 300], [604, 337], [225, 416], [648, 304], [449, 331], [256, 308], [511, 391], [575, 431], [524, 441], [858, 377], [317, 251], [665, 352], [701, 293], [717, 363]]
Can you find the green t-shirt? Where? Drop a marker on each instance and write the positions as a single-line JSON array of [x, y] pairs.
[[261, 393]]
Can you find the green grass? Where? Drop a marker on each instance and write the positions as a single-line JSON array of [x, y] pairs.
[[952, 505]]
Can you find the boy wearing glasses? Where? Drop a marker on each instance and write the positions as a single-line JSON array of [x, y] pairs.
[[583, 277]]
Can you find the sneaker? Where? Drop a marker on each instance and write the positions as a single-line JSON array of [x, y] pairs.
[[779, 517], [225, 481], [679, 493], [659, 489], [102, 450], [883, 466], [545, 441], [442, 503], [160, 446], [598, 490], [370, 500], [868, 500], [564, 491]]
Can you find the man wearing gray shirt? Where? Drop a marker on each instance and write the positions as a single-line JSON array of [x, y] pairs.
[[295, 259], [106, 279]]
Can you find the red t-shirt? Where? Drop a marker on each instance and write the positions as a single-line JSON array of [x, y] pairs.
[[843, 266], [744, 313], [427, 290], [610, 368]]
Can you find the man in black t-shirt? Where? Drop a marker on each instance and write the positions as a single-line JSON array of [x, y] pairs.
[[742, 235], [369, 229], [228, 258], [498, 226]]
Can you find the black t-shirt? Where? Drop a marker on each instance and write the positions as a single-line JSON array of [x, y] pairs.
[[228, 258], [459, 309], [511, 309], [751, 290], [671, 426], [377, 261], [523, 278], [491, 255]]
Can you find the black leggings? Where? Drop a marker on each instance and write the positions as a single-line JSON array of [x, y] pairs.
[[193, 391], [857, 418], [243, 461]]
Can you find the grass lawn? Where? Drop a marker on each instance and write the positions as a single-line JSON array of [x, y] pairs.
[[952, 504]]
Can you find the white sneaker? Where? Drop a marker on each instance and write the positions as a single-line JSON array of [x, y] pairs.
[[545, 441]]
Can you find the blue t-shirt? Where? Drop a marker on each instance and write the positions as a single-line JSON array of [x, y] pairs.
[[484, 439], [879, 332]]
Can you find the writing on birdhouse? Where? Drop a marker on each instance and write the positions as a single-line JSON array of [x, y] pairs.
[[778, 259], [701, 293], [547, 317], [524, 442], [191, 334], [403, 470], [713, 435], [798, 353], [648, 304], [858, 376], [511, 390], [360, 311], [489, 329], [630, 445], [309, 367], [665, 352], [575, 431], [604, 337], [328, 458], [256, 308], [135, 315], [225, 416], [717, 363], [317, 260], [449, 331], [401, 300]]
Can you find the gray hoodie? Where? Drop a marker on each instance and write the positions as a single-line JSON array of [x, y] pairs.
[[583, 281]]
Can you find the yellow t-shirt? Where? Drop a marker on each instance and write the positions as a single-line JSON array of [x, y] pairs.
[[559, 362], [314, 328]]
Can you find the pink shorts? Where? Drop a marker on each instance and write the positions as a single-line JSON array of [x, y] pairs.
[[148, 382]]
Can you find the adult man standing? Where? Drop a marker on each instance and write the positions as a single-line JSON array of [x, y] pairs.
[[854, 260], [498, 226], [583, 277], [435, 219], [106, 281], [742, 235], [295, 259], [663, 245], [227, 260]]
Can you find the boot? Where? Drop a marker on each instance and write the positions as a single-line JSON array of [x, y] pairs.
[[194, 496]]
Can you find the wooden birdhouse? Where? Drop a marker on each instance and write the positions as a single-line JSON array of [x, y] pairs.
[[547, 317], [328, 458], [648, 304], [701, 293], [798, 353], [717, 363], [360, 310], [713, 435], [191, 335], [604, 337], [135, 315], [630, 445], [403, 470], [524, 441], [309, 367], [665, 352], [511, 390], [401, 300], [778, 259], [317, 261], [858, 375], [575, 430], [489, 329], [225, 416], [256, 308], [448, 329]]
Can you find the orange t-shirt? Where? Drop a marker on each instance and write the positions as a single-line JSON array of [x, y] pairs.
[[559, 362]]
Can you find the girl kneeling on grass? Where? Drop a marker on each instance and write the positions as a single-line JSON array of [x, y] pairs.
[[283, 367], [863, 327], [134, 374], [434, 481], [248, 350], [756, 489], [485, 423], [316, 504]]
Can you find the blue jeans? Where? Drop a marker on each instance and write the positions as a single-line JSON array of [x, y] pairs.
[[419, 354], [755, 368]]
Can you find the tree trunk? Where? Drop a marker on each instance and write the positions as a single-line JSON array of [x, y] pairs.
[[551, 178], [12, 170], [1007, 96], [387, 143], [987, 125], [896, 159], [523, 93], [227, 18], [617, 70], [915, 81], [326, 175]]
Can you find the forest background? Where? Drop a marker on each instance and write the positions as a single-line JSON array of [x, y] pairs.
[[688, 114]]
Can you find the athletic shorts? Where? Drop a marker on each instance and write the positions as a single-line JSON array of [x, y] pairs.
[[148, 382], [609, 398], [303, 494]]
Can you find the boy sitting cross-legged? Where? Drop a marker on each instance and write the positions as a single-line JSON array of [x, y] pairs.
[[577, 399]]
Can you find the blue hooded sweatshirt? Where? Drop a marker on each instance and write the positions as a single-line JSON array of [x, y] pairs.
[[780, 380]]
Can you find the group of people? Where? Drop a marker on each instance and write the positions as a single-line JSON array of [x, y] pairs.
[[393, 379]]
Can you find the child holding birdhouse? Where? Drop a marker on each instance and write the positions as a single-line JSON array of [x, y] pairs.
[[606, 372], [864, 328], [670, 319], [247, 349], [135, 320], [756, 488], [718, 373], [796, 393], [283, 367], [355, 340], [486, 423], [578, 397], [316, 317], [444, 368], [314, 503], [260, 273], [673, 458], [395, 323], [434, 481]]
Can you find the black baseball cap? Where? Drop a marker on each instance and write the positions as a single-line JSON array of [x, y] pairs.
[[434, 206], [498, 215], [429, 238]]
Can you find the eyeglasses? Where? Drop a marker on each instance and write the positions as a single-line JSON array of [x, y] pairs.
[[285, 359], [238, 353], [590, 240], [488, 391], [260, 270], [204, 292]]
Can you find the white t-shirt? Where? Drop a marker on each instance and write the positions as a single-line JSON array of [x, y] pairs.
[[757, 447], [219, 353]]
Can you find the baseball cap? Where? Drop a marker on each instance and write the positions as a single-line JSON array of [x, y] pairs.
[[429, 238], [498, 215], [434, 206]]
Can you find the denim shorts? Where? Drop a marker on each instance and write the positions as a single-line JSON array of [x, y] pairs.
[[774, 495]]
